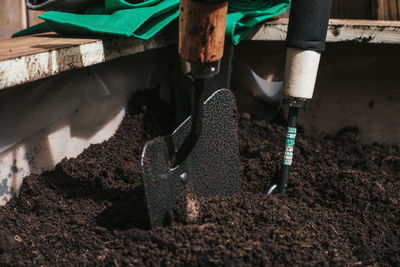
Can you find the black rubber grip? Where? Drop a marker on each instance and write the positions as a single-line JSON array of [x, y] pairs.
[[308, 24]]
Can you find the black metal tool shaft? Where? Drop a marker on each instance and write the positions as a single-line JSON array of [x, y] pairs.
[[291, 130], [196, 122], [289, 147], [201, 46]]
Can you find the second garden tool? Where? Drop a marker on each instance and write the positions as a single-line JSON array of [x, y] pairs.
[[308, 24]]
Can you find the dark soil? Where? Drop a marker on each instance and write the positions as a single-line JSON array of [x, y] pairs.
[[342, 206]]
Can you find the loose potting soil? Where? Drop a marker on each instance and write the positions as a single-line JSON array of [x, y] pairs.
[[342, 206]]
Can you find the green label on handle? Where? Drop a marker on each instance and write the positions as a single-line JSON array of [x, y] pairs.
[[289, 144]]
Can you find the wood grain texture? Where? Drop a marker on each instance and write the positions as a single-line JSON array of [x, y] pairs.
[[12, 17], [398, 10], [36, 44], [385, 9], [339, 30], [351, 9], [55, 142], [202, 31], [34, 57], [346, 9], [357, 85], [33, 17], [30, 58], [284, 14]]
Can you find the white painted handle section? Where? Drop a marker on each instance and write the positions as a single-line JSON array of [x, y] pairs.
[[301, 69]]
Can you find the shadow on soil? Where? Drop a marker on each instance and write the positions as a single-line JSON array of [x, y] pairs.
[[128, 206]]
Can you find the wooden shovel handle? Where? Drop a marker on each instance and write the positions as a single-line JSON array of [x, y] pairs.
[[202, 31]]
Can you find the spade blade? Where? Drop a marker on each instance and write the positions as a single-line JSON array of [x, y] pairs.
[[212, 167]]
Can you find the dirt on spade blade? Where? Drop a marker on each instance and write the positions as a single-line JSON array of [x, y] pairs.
[[342, 206]]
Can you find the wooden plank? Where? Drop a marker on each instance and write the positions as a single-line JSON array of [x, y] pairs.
[[370, 31], [36, 44], [385, 9], [346, 9], [12, 17], [284, 14], [34, 57], [61, 139], [398, 9], [357, 85], [351, 9], [51, 119], [30, 58], [33, 17]]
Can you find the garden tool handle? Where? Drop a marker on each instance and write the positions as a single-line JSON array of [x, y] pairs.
[[201, 36], [305, 40], [201, 47]]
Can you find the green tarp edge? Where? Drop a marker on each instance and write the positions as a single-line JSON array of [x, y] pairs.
[[143, 20]]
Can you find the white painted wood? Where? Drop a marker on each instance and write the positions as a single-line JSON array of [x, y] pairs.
[[51, 55], [59, 117], [65, 138]]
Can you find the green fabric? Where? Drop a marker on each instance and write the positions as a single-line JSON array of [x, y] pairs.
[[144, 19], [243, 15]]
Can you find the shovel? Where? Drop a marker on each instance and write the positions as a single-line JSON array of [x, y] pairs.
[[202, 154]]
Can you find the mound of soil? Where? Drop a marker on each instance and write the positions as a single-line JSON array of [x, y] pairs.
[[342, 206]]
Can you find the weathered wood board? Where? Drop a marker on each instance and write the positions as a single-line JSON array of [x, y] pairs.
[[385, 9], [61, 139], [30, 58], [50, 119], [12, 17], [339, 30], [357, 85], [351, 9], [33, 17]]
